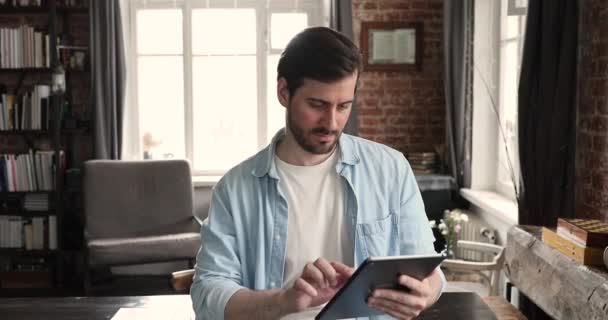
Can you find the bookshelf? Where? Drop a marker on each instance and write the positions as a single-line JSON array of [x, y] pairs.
[[36, 257]]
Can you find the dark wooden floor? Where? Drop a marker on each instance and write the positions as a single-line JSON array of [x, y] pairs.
[[133, 286]]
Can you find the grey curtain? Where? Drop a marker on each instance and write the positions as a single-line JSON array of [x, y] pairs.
[[547, 112], [547, 118], [341, 19], [108, 77], [458, 79]]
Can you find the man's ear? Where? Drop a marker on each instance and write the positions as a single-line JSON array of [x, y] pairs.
[[283, 92]]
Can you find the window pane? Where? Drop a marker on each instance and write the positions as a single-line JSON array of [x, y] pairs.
[[513, 26], [510, 78], [276, 112], [159, 38], [225, 111], [161, 105], [508, 105], [283, 26], [223, 31]]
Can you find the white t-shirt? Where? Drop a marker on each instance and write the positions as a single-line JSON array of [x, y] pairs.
[[316, 223]]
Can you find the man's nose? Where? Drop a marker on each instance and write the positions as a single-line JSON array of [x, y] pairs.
[[329, 118]]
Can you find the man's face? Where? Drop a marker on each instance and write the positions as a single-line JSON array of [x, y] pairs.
[[318, 111]]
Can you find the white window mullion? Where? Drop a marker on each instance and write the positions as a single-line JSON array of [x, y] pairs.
[[188, 104], [133, 99], [261, 57]]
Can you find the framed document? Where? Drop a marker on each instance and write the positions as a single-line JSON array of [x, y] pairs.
[[389, 46]]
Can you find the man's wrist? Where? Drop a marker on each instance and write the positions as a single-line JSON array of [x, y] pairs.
[[439, 287], [280, 300]]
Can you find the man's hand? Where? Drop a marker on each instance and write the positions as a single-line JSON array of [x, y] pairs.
[[407, 305], [318, 283]]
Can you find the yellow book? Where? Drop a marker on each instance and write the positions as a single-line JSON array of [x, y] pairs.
[[590, 256]]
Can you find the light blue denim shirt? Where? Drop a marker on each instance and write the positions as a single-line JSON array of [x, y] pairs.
[[244, 236]]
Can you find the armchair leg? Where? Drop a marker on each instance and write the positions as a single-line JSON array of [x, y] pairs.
[[509, 287]]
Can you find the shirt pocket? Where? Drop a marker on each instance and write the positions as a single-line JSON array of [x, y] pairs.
[[379, 237]]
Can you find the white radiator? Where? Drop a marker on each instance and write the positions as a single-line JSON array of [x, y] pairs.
[[475, 230]]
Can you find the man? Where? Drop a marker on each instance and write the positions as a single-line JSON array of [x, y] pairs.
[[287, 226]]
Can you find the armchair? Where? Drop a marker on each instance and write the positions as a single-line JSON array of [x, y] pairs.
[[138, 212]]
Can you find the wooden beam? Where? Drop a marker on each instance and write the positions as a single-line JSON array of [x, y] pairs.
[[560, 286]]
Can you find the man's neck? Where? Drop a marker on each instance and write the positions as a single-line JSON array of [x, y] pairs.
[[291, 152]]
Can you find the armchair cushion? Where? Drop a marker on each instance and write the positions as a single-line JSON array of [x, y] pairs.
[[136, 250]]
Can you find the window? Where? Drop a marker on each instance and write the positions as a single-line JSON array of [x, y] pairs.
[[512, 28], [205, 84]]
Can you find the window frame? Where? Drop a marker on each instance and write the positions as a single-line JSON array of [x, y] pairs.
[[264, 9]]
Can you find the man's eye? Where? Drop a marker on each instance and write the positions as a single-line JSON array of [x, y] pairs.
[[344, 106]]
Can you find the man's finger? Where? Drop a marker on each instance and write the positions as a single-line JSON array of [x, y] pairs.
[[343, 269], [328, 271], [307, 288], [394, 309], [416, 286], [399, 297], [313, 275]]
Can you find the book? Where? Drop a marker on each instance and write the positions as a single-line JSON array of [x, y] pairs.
[[590, 256], [585, 232]]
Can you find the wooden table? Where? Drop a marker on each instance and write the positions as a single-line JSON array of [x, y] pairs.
[[503, 309], [452, 305]]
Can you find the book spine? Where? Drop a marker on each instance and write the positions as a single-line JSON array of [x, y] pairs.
[[584, 255], [573, 229], [52, 232], [565, 233], [589, 239]]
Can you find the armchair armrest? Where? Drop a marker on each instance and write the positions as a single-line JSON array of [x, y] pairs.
[[182, 280]]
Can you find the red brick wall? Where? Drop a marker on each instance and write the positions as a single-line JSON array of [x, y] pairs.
[[592, 144], [404, 110]]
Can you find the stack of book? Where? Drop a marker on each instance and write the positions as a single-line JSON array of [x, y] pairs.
[[423, 162], [583, 240]]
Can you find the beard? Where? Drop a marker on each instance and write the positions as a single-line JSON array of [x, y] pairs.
[[304, 137]]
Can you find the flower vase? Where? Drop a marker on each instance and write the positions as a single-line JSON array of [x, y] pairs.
[[449, 250]]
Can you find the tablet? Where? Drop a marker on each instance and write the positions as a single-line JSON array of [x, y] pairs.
[[375, 272]]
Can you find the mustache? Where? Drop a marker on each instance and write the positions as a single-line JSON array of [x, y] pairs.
[[324, 131]]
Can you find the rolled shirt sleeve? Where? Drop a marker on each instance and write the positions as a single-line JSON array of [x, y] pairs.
[[217, 272]]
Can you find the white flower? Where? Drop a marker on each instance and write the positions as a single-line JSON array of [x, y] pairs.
[[442, 226], [444, 232], [433, 224], [464, 217], [149, 142]]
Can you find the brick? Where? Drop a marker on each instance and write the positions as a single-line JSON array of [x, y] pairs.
[[370, 6], [600, 182], [404, 109]]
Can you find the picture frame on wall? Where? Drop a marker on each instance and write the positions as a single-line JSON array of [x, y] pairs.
[[391, 46]]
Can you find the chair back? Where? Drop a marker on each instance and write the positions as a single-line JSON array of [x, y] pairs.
[[137, 198], [488, 270]]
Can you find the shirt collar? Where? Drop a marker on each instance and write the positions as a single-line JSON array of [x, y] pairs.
[[265, 161]]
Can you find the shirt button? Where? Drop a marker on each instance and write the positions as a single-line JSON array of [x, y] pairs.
[[277, 237], [272, 284]]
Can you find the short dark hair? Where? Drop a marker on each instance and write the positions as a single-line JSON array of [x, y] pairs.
[[318, 53]]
